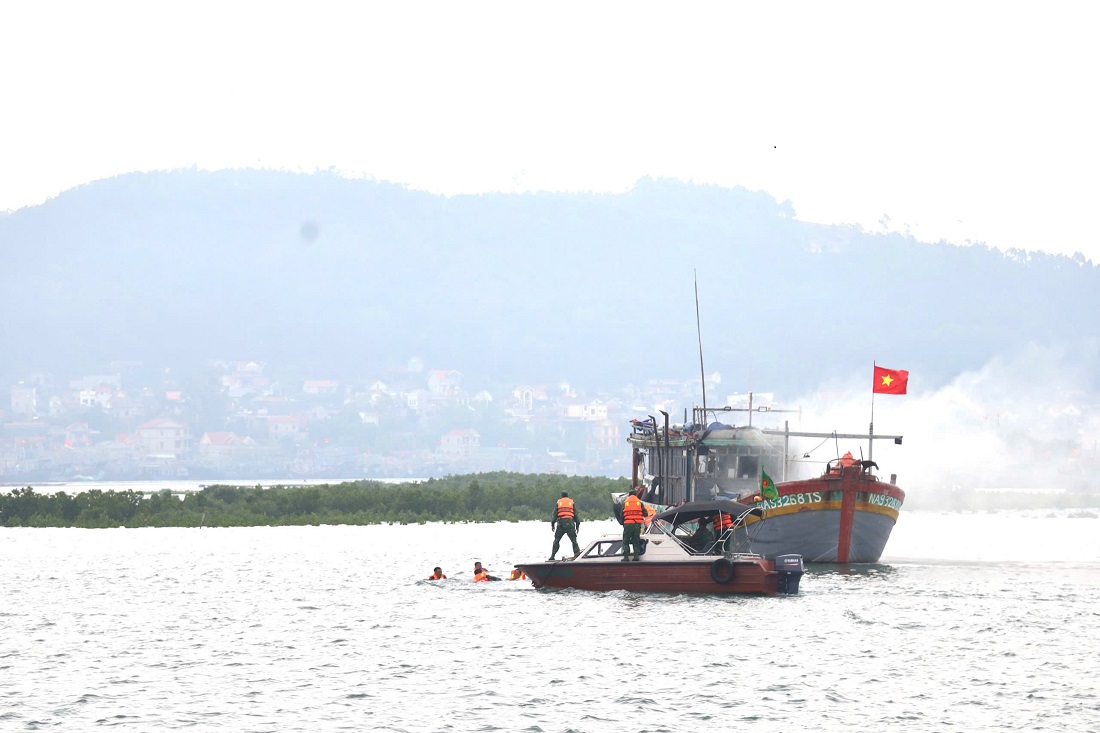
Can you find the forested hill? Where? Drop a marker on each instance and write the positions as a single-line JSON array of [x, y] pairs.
[[353, 277]]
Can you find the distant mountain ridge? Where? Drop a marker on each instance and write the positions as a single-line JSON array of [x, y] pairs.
[[351, 277]]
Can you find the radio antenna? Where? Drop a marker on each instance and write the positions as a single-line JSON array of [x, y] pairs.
[[699, 331]]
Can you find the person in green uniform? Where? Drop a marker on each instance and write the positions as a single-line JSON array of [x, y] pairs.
[[634, 514], [702, 538], [565, 522]]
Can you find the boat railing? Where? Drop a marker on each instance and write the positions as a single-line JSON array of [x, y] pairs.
[[731, 545], [753, 511], [728, 543]]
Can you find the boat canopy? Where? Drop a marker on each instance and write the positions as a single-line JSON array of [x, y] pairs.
[[695, 510]]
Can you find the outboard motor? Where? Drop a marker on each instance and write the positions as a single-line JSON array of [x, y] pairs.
[[790, 570]]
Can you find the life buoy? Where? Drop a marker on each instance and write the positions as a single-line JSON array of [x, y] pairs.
[[721, 570]]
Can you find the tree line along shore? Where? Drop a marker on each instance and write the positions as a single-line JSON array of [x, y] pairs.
[[485, 497]]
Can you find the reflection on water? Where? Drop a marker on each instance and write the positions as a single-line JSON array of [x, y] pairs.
[[868, 570], [326, 628]]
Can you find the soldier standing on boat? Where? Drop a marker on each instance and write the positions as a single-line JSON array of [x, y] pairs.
[[634, 514], [565, 522]]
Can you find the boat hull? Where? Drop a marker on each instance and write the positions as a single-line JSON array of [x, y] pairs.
[[814, 533], [749, 576], [842, 518]]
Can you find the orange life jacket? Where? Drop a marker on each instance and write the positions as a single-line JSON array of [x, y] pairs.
[[722, 521], [632, 510], [437, 576], [517, 574], [482, 577], [565, 508]]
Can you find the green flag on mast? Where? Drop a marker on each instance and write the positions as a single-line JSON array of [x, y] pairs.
[[767, 486]]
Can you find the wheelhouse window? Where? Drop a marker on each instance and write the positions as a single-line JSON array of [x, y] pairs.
[[609, 548], [739, 466], [748, 466]]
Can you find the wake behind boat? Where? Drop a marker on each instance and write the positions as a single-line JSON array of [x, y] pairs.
[[679, 556]]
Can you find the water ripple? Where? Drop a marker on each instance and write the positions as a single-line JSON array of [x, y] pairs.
[[333, 628]]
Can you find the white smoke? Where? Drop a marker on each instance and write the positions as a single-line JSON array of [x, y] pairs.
[[1016, 423]]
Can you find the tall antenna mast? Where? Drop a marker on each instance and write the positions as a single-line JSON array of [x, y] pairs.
[[699, 331]]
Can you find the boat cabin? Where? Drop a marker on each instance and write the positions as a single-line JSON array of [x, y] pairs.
[[695, 462]]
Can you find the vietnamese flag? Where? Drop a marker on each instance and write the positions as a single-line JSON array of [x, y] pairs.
[[890, 381]]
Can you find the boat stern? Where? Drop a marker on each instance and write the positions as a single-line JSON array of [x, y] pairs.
[[790, 569]]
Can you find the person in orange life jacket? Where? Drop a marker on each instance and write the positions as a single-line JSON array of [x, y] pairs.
[[517, 574], [722, 523], [437, 574], [481, 575], [634, 514], [565, 521], [843, 462]]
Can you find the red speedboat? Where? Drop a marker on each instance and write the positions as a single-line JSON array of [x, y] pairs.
[[680, 555]]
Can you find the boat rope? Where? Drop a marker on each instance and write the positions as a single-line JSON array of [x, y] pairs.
[[823, 442]]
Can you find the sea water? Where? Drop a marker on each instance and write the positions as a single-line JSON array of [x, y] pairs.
[[971, 622]]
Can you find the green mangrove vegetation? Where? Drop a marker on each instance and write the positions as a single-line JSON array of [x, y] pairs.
[[486, 497]]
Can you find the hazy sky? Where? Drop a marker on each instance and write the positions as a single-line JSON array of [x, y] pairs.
[[966, 121]]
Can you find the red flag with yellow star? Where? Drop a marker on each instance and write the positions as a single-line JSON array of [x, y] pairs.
[[890, 381]]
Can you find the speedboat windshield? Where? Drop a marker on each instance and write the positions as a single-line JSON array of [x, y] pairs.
[[694, 525]]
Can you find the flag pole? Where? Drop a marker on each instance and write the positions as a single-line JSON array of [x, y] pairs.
[[871, 429]]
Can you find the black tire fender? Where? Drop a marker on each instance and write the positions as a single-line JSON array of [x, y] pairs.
[[721, 570]]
